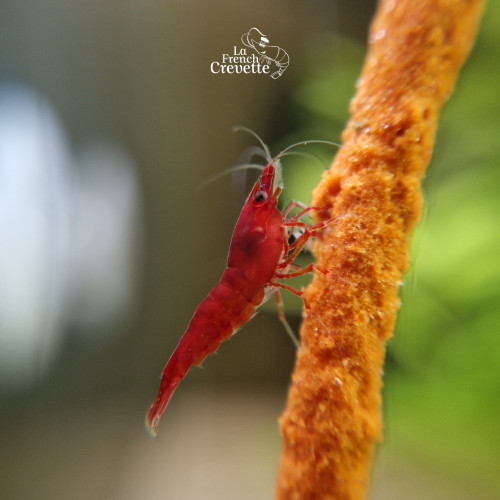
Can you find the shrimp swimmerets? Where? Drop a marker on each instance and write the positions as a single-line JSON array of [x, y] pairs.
[[261, 252]]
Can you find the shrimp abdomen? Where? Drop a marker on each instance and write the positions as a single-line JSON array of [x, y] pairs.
[[230, 304]]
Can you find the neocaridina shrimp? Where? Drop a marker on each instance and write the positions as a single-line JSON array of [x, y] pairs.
[[262, 251]]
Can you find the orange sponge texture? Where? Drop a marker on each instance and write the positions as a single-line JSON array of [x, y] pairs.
[[332, 420]]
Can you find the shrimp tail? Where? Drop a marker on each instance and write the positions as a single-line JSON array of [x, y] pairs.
[[169, 383]]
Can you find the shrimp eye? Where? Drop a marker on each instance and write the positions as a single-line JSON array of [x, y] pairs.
[[260, 196]]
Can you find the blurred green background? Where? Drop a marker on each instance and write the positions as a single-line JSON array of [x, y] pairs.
[[109, 122]]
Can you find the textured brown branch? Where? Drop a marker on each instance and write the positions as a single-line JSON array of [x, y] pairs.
[[333, 416]]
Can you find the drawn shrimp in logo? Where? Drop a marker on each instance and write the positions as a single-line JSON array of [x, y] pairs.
[[268, 53]]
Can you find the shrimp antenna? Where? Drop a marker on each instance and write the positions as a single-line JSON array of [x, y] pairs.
[[245, 166], [305, 143], [304, 154], [240, 128], [287, 152], [249, 153]]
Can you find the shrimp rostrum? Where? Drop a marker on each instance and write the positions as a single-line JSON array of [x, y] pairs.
[[261, 252]]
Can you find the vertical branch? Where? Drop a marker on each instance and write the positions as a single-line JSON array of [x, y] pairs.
[[333, 416]]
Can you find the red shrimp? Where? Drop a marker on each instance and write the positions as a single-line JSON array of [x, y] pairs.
[[260, 253]]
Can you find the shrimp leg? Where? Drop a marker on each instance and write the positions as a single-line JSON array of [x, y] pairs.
[[284, 321]]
